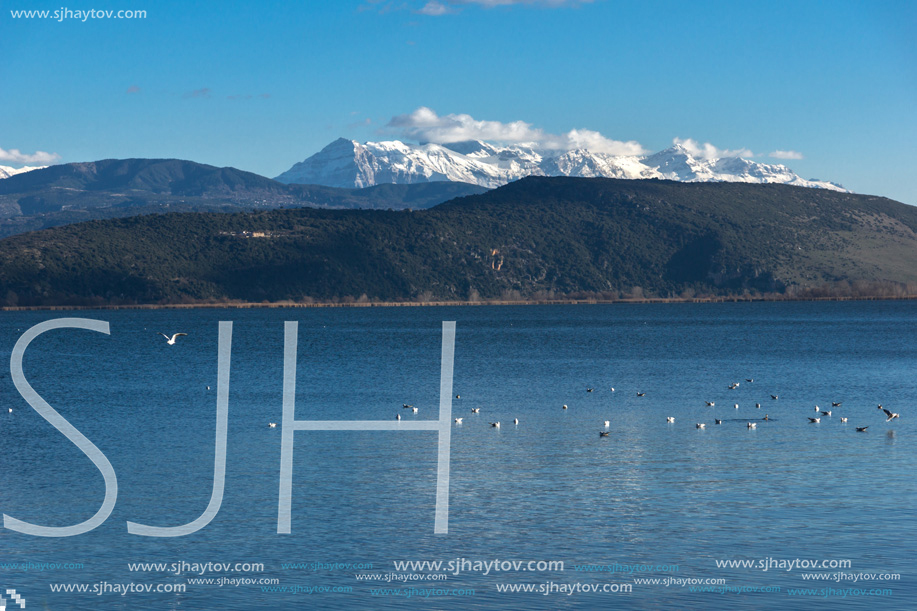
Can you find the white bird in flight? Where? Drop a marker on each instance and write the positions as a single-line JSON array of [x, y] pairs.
[[171, 340], [891, 415]]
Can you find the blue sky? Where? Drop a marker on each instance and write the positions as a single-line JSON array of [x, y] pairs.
[[262, 85]]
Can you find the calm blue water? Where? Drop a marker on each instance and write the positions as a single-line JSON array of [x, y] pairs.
[[549, 489]]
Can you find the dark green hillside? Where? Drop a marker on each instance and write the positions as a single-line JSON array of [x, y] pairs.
[[114, 188], [538, 237]]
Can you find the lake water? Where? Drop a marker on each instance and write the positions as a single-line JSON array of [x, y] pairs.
[[549, 489]]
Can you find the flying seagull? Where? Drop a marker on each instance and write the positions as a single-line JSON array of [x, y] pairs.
[[891, 416], [171, 340]]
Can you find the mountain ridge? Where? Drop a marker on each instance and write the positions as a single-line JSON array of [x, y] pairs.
[[536, 238], [347, 163], [109, 188]]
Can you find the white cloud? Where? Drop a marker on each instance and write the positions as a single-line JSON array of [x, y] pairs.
[[786, 155], [15, 156], [708, 151], [435, 8], [424, 125], [446, 7]]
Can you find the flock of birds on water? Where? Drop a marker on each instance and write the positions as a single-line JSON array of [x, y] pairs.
[[890, 415]]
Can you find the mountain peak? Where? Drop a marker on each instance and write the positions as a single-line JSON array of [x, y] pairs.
[[346, 163]]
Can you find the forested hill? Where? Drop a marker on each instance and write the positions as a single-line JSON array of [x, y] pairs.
[[114, 188], [535, 238]]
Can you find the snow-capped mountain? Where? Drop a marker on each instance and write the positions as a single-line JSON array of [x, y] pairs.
[[6, 171], [346, 163]]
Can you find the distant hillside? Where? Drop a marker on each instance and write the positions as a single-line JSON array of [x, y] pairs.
[[538, 237], [74, 192]]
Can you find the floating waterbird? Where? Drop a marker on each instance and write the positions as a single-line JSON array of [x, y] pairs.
[[515, 420], [835, 404], [458, 420], [670, 419], [736, 406], [607, 423], [612, 389], [589, 389], [565, 406], [398, 417], [749, 380], [641, 394], [406, 406], [475, 410], [843, 420], [458, 396], [272, 425], [817, 408], [828, 413], [710, 403], [758, 405], [496, 425], [752, 425], [700, 425], [717, 421], [774, 397], [862, 429], [414, 409], [604, 433], [816, 420], [766, 417], [171, 340]]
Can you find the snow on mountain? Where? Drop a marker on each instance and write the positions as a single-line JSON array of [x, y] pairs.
[[349, 164], [6, 171]]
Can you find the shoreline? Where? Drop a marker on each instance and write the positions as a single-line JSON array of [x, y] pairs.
[[240, 305]]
